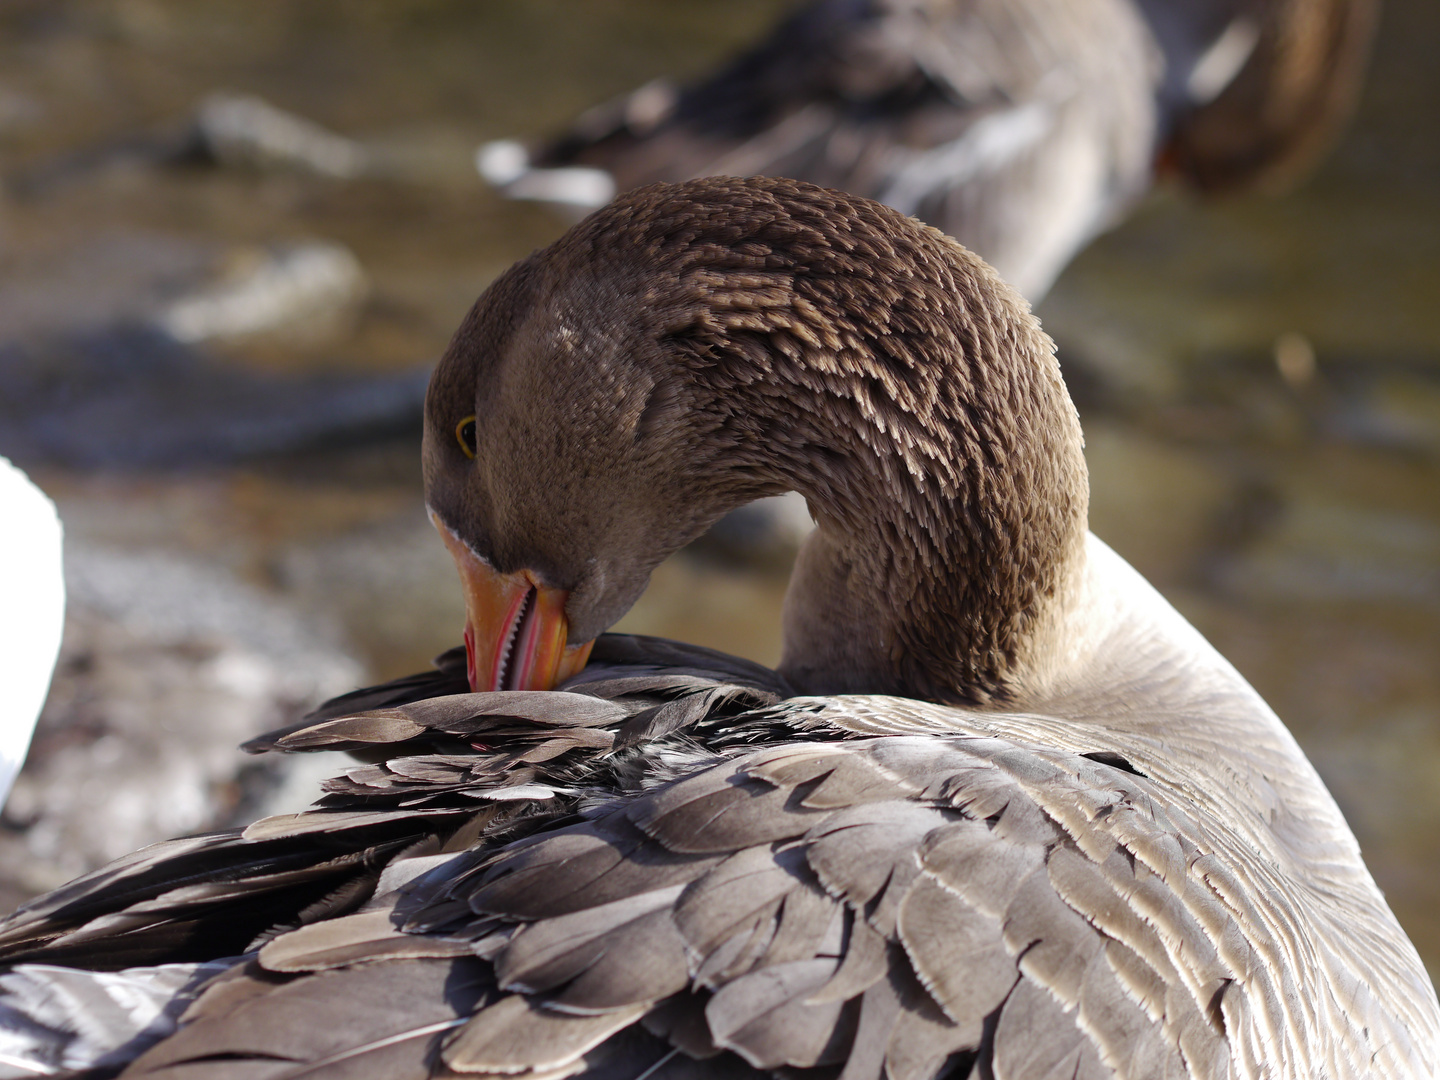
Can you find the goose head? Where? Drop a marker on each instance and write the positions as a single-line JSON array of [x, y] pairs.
[[692, 347]]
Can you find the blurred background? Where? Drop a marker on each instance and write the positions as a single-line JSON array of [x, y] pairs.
[[213, 348]]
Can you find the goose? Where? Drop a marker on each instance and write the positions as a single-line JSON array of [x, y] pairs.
[[1023, 128], [998, 812], [32, 612]]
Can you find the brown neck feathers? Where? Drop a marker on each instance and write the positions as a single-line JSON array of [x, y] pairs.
[[840, 349]]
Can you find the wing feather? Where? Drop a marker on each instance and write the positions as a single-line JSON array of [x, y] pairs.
[[894, 906], [767, 1018], [517, 1035]]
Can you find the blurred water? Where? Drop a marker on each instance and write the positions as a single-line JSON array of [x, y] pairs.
[[1260, 381]]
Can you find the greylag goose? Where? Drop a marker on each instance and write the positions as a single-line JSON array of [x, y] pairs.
[[999, 812], [32, 612], [1021, 127]]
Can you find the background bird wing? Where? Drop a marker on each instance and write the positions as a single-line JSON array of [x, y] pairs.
[[1021, 129]]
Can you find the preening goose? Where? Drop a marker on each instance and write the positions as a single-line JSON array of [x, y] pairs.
[[1021, 127], [999, 812], [32, 612]]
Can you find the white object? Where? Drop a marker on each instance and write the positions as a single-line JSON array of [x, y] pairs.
[[32, 612], [504, 164]]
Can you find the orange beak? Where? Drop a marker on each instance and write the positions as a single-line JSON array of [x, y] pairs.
[[515, 627]]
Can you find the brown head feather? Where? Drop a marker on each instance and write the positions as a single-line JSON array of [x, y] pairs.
[[694, 346]]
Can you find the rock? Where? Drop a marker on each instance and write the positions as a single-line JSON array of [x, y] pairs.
[[194, 291], [268, 291], [104, 357], [240, 129], [137, 398]]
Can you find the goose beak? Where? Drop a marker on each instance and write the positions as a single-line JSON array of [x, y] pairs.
[[515, 627]]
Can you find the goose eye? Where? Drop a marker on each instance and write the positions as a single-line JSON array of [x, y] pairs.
[[465, 436]]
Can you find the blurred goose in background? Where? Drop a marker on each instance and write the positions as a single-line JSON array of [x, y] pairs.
[[32, 612], [1000, 811], [1022, 128]]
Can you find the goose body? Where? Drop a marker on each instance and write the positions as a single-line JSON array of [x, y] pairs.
[[32, 612], [999, 812], [1023, 128]]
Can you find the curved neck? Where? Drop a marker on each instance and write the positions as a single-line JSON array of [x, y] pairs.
[[836, 348], [950, 527], [967, 607]]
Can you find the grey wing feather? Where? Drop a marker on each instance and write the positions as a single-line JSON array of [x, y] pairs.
[[552, 953], [814, 891], [1038, 1039], [720, 813], [980, 948], [652, 966], [905, 905], [864, 962], [604, 861], [518, 1034], [351, 939], [743, 894], [767, 1018], [958, 953], [923, 1038], [632, 671], [327, 1016]]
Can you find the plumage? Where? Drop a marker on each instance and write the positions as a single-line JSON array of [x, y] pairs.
[[519, 1035], [353, 1026], [765, 1016], [361, 937], [1021, 127], [1001, 812]]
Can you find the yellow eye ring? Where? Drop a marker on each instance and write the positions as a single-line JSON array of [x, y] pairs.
[[465, 436]]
